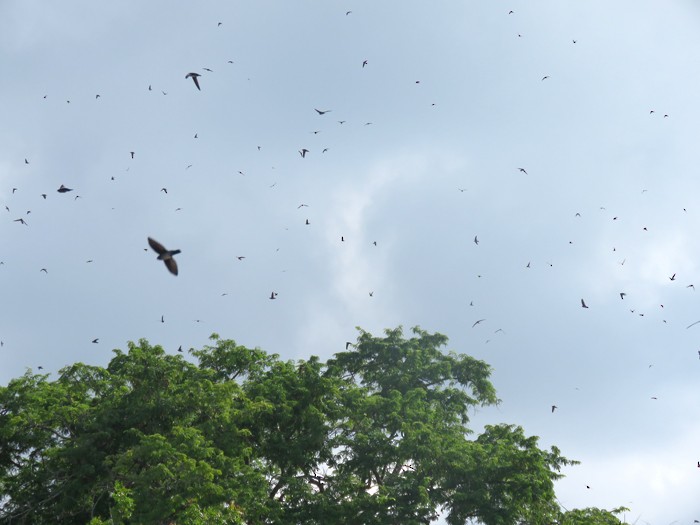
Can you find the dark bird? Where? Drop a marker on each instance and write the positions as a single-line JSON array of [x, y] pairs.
[[364, 63], [194, 76], [347, 13], [21, 221], [240, 257], [164, 190], [476, 240], [583, 304], [673, 277], [207, 69], [14, 190], [44, 195], [554, 407], [478, 322], [371, 294], [303, 152], [622, 295], [162, 319], [693, 324], [691, 286], [522, 170], [273, 295], [302, 206], [44, 270], [63, 189], [307, 222], [322, 112], [347, 344], [179, 348], [26, 161], [545, 77], [96, 340], [165, 255]]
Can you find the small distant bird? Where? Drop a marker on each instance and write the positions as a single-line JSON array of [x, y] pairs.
[[347, 344], [528, 265], [522, 170], [44, 195], [240, 257], [545, 77], [347, 13], [691, 286], [303, 152], [364, 63], [63, 189], [583, 304], [21, 221], [476, 240], [179, 349], [207, 69], [622, 295], [96, 340], [194, 76], [164, 190], [341, 122], [342, 239], [693, 324], [554, 407], [322, 112], [14, 190], [44, 270], [371, 294], [302, 205], [165, 255], [273, 295], [307, 223], [478, 322], [132, 154], [673, 277], [26, 161], [162, 319]]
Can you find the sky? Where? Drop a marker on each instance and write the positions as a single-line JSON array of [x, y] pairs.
[[420, 151]]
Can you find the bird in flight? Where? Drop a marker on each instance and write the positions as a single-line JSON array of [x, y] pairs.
[[164, 255], [554, 407], [622, 295], [347, 344], [476, 240], [303, 152], [673, 277], [63, 189], [583, 304], [364, 63], [273, 295], [322, 112], [96, 340], [194, 78], [478, 322], [522, 170], [545, 77]]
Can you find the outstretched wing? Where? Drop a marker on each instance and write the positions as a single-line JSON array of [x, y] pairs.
[[157, 247]]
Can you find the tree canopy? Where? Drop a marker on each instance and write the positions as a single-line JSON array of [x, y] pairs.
[[379, 434]]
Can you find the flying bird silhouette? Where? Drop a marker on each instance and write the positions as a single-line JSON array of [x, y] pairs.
[[164, 255], [583, 304], [63, 189], [522, 170], [554, 407], [322, 112], [194, 76], [303, 152], [478, 322]]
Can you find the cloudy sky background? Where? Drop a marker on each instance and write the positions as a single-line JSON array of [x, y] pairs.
[[456, 101]]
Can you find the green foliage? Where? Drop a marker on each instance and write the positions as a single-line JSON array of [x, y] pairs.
[[376, 435]]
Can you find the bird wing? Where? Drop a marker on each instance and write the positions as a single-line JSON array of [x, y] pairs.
[[157, 247], [171, 265]]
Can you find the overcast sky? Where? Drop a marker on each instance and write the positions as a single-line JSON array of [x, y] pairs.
[[596, 100]]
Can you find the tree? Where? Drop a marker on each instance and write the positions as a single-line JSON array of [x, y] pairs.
[[378, 434]]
